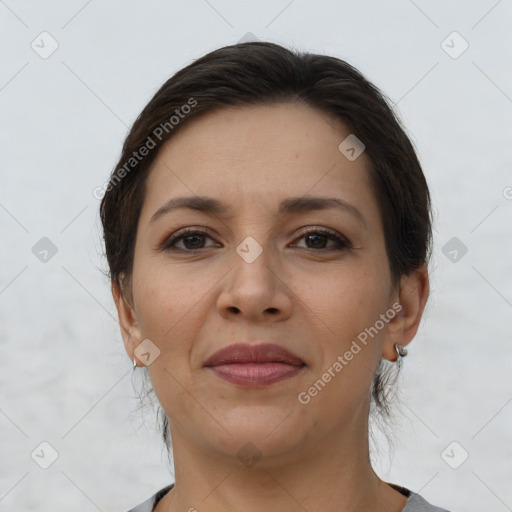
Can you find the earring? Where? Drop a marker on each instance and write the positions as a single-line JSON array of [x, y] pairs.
[[134, 363], [400, 351]]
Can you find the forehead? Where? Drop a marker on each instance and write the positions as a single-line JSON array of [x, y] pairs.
[[261, 154]]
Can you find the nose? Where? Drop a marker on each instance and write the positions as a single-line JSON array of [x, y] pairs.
[[256, 291]]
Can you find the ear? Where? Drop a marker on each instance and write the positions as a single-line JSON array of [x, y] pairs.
[[128, 322], [412, 296]]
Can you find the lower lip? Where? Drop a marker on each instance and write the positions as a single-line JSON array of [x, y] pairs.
[[255, 374]]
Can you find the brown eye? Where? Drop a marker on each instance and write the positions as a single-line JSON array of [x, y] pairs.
[[192, 240], [316, 239]]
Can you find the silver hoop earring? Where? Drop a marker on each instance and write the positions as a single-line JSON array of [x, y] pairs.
[[400, 351], [134, 363]]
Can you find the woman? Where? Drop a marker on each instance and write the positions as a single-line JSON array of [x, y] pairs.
[[267, 230]]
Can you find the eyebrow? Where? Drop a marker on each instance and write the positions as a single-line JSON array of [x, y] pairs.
[[288, 206]]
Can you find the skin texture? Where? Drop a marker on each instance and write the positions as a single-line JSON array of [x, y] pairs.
[[297, 294]]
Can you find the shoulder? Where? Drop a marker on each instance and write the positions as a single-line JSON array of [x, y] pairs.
[[416, 503], [151, 502]]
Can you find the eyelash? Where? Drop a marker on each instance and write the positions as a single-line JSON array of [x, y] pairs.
[[341, 242]]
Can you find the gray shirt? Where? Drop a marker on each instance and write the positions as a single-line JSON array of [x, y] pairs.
[[415, 503]]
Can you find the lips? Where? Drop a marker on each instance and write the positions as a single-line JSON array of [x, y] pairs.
[[263, 353], [254, 366]]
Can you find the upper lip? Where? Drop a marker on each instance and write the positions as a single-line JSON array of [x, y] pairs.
[[261, 353]]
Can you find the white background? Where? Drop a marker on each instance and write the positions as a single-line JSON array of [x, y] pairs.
[[65, 377]]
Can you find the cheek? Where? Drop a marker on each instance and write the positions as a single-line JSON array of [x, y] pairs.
[[346, 309], [346, 301], [172, 308], [164, 297], [165, 306]]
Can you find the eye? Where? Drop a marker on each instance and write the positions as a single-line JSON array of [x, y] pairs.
[[318, 236], [193, 239]]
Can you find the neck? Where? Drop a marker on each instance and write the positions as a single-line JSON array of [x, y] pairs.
[[331, 474]]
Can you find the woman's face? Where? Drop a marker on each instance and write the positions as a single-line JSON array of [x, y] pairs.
[[258, 277]]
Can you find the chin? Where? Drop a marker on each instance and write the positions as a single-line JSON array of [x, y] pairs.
[[264, 431]]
